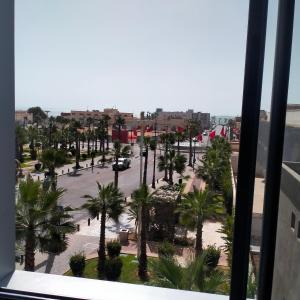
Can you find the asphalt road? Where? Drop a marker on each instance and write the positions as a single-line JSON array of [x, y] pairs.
[[84, 182]]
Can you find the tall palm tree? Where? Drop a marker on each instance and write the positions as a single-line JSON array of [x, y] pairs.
[[75, 126], [153, 147], [193, 128], [168, 139], [120, 122], [179, 138], [21, 139], [101, 131], [215, 163], [32, 134], [146, 145], [142, 200], [118, 152], [108, 203], [52, 159], [40, 222], [196, 276], [195, 208], [106, 119], [89, 134]]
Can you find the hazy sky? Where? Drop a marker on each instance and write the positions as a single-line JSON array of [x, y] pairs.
[[135, 54]]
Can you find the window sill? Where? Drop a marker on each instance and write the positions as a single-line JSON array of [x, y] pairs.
[[57, 285]]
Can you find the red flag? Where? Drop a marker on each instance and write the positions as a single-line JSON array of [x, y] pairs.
[[212, 134], [180, 129], [149, 129], [199, 137], [223, 133]]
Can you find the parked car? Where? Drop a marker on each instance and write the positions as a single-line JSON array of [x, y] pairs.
[[123, 164]]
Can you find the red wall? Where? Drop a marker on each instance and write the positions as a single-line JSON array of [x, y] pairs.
[[123, 136]]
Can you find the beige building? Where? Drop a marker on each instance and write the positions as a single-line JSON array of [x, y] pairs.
[[83, 115], [22, 117]]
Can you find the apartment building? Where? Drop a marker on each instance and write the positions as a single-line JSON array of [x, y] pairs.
[[22, 117], [113, 113]]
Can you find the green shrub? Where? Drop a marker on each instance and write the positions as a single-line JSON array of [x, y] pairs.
[[113, 249], [212, 256], [77, 264], [84, 156], [181, 241], [113, 268], [166, 249]]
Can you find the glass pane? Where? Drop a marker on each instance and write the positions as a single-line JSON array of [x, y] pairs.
[[286, 281], [131, 94], [262, 150]]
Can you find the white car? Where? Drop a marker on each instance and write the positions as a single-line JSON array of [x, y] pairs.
[[123, 164]]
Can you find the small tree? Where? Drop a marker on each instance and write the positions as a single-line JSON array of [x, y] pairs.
[[113, 249], [212, 256], [166, 249], [113, 269], [77, 264]]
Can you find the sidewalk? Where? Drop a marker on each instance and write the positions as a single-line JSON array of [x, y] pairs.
[[69, 168]]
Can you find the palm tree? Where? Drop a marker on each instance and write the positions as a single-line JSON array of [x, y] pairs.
[[227, 236], [168, 139], [40, 222], [215, 163], [120, 122], [52, 159], [193, 128], [32, 134], [146, 144], [106, 120], [172, 162], [101, 131], [142, 200], [89, 135], [195, 208], [75, 126], [117, 152], [153, 147], [196, 276], [179, 138], [108, 203], [21, 139]]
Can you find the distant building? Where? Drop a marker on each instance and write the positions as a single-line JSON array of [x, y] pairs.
[[83, 116], [180, 118], [23, 118]]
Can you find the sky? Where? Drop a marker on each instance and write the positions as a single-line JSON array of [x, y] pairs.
[[136, 55]]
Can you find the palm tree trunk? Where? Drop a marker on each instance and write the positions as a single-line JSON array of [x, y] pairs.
[[96, 144], [145, 167], [166, 162], [171, 173], [154, 168], [199, 242], [178, 146], [77, 153], [101, 251], [29, 253], [107, 139], [191, 150], [116, 182], [142, 271], [89, 147]]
